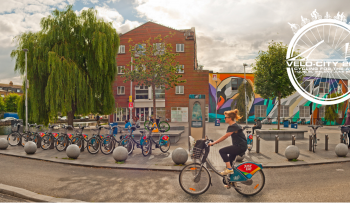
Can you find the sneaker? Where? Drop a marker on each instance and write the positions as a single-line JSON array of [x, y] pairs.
[[226, 171]]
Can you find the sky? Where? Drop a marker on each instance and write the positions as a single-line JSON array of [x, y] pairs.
[[229, 32]]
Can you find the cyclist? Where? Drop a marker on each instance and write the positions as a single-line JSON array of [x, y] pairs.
[[239, 141]]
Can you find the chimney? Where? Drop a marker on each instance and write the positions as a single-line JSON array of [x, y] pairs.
[[11, 83]]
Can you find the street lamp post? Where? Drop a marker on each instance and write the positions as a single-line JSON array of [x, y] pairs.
[[26, 88], [245, 95], [216, 106]]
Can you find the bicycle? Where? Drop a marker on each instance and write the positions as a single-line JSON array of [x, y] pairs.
[[48, 138], [344, 136], [314, 136], [63, 140], [249, 138], [146, 145], [248, 178], [108, 143], [129, 141], [93, 144], [164, 125], [80, 139], [31, 135], [15, 136]]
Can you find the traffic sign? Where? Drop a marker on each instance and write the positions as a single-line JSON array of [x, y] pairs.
[[131, 105], [130, 98], [215, 77]]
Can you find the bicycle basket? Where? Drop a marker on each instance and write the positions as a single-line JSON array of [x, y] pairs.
[[78, 131], [14, 128], [198, 153]]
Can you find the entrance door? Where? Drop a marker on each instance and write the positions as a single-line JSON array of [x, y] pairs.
[[143, 113]]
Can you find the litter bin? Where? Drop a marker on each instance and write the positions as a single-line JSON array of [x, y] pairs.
[[294, 125], [286, 123], [217, 122], [115, 131]]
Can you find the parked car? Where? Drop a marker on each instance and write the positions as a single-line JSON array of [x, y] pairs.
[[84, 117], [8, 119], [64, 118]]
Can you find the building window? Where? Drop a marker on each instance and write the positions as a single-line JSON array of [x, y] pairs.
[[179, 114], [141, 92], [180, 69], [339, 90], [159, 47], [322, 111], [160, 92], [304, 111], [234, 83], [160, 113], [180, 48], [260, 111], [121, 114], [121, 90], [306, 85], [324, 88], [140, 49], [18, 90], [121, 70], [121, 49], [0, 88], [284, 111], [179, 90]]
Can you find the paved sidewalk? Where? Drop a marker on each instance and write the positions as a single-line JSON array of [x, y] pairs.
[[163, 161]]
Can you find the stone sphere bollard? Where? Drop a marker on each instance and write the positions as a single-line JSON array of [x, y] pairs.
[[3, 143], [179, 156], [341, 149], [292, 152], [30, 147], [120, 153], [240, 158], [73, 151]]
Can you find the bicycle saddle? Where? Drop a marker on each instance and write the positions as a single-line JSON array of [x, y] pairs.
[[162, 131], [242, 154], [141, 131]]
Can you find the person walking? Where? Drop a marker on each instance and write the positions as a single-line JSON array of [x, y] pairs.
[[98, 119], [257, 125]]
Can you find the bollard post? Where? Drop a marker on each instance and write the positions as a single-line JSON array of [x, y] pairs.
[[293, 139], [257, 144], [276, 143], [310, 143], [341, 138], [82, 146], [326, 142]]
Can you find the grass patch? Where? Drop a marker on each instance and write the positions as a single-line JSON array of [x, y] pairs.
[[119, 162], [67, 158], [178, 164], [294, 160]]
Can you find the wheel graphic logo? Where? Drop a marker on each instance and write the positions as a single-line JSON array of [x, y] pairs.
[[320, 50]]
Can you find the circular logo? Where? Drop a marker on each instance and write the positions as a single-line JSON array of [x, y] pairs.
[[320, 51]]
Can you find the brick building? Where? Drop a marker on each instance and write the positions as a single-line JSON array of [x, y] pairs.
[[172, 103], [6, 89]]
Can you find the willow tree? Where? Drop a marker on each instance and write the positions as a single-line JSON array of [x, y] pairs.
[[154, 65], [71, 65], [239, 101]]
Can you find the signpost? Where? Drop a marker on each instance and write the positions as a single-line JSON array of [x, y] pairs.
[[130, 98], [131, 105], [215, 78]]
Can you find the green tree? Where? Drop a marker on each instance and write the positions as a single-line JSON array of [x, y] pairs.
[[11, 102], [154, 65], [271, 78], [2, 106], [71, 65], [239, 101], [331, 113]]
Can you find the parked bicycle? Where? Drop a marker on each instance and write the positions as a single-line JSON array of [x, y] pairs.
[[344, 134], [32, 134], [79, 138], [108, 143], [64, 139], [129, 141], [163, 125], [314, 135], [93, 144], [48, 138], [248, 178], [163, 143], [15, 136], [249, 138]]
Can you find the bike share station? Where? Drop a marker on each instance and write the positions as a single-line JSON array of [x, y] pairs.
[[196, 111]]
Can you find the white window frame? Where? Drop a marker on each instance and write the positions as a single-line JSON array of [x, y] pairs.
[[119, 114], [141, 88], [260, 111], [304, 111], [181, 70], [322, 111], [325, 86], [119, 90], [159, 88], [178, 90], [284, 111], [119, 70], [121, 49], [180, 47]]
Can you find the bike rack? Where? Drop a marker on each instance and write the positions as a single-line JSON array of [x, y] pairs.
[[257, 144], [326, 143], [341, 138], [310, 143], [276, 143], [293, 139]]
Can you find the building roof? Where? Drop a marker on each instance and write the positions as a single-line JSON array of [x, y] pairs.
[[10, 85]]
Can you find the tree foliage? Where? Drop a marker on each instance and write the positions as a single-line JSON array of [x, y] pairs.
[[71, 65], [11, 102], [2, 105], [331, 113], [271, 78], [239, 101], [154, 65]]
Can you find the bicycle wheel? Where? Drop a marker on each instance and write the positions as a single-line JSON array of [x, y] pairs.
[[93, 145], [25, 138], [146, 124], [46, 142], [314, 143], [252, 188], [77, 140], [107, 145], [146, 146], [13, 138], [164, 126], [193, 184], [164, 146], [128, 144], [61, 143]]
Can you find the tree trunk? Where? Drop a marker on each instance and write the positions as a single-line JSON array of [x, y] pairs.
[[71, 115], [279, 111], [154, 103]]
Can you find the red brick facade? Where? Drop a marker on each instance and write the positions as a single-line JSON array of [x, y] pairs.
[[197, 80]]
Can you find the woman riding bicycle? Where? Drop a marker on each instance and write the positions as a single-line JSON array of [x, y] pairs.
[[239, 141]]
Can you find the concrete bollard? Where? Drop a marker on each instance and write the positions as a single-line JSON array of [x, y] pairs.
[[179, 156], [257, 144], [276, 143], [293, 139], [30, 147], [326, 142], [341, 150], [292, 152], [73, 151], [310, 143], [120, 153], [3, 143]]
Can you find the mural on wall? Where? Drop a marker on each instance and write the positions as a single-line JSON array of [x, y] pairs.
[[294, 108]]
